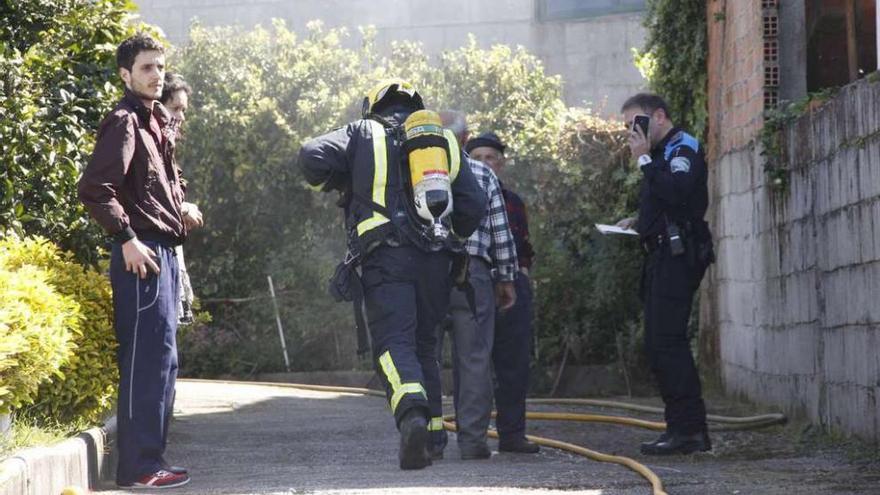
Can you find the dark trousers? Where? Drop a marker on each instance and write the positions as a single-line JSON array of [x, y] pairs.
[[668, 285], [406, 295], [145, 314], [510, 355]]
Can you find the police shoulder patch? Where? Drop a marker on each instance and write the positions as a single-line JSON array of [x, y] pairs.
[[680, 164], [679, 141]]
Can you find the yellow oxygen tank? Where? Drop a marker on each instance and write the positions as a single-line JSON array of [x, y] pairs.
[[427, 150]]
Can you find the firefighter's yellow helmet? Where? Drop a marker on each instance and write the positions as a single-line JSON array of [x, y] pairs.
[[391, 91]]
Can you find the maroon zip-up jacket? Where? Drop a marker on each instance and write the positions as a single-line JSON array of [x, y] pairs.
[[132, 186]]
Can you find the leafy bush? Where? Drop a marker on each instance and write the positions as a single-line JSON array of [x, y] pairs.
[[86, 384], [36, 325], [57, 81], [260, 93], [587, 295], [674, 59], [257, 96]]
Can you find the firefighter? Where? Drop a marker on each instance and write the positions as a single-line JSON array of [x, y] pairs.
[[408, 204]]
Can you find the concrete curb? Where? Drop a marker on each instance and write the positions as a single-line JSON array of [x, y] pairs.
[[80, 461]]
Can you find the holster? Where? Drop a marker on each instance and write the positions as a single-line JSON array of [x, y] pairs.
[[699, 248], [345, 285], [340, 284]]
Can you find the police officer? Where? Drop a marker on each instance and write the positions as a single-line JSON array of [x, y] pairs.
[[405, 261], [672, 202]]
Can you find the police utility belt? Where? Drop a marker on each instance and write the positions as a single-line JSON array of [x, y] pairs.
[[674, 237], [692, 238], [653, 243]]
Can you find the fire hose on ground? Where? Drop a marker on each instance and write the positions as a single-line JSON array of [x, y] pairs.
[[724, 423]]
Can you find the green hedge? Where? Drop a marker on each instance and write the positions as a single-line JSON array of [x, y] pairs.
[[587, 283], [36, 326], [83, 385]]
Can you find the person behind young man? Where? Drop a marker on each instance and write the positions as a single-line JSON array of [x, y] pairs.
[[175, 97], [392, 167], [133, 189], [492, 251], [672, 203], [511, 350]]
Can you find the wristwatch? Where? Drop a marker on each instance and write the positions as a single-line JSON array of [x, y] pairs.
[[644, 160]]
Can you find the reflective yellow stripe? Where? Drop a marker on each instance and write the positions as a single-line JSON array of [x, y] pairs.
[[398, 390], [454, 154], [371, 223], [317, 188], [436, 424], [380, 177], [390, 370], [407, 388]]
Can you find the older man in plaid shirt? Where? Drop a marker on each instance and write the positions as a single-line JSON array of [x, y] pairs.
[[492, 270]]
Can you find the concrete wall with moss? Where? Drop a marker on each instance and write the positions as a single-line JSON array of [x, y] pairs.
[[795, 294], [592, 53]]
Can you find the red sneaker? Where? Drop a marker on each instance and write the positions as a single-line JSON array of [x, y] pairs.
[[161, 479]]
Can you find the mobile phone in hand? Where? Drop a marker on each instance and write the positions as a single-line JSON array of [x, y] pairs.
[[641, 121]]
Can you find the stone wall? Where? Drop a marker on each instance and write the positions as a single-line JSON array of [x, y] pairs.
[[593, 54], [735, 107], [796, 290]]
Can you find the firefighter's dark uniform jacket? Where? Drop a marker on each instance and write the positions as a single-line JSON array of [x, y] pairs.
[[406, 281], [350, 157]]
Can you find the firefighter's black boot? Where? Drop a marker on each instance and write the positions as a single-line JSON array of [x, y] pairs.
[[414, 440]]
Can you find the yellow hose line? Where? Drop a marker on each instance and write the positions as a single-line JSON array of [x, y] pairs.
[[302, 386], [596, 418], [639, 423], [641, 469], [763, 419], [749, 421], [656, 484]]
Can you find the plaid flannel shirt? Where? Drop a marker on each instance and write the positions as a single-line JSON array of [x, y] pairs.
[[493, 240]]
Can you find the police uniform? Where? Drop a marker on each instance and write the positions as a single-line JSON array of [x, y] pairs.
[[674, 197], [405, 274]]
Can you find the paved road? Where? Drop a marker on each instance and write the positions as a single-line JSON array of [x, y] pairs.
[[253, 439], [261, 439]]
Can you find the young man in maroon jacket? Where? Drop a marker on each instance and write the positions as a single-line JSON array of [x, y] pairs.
[[133, 189]]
